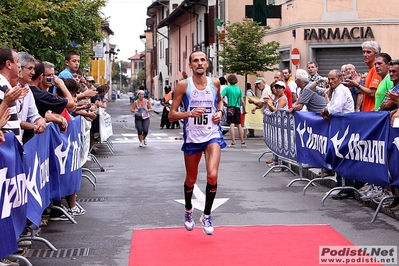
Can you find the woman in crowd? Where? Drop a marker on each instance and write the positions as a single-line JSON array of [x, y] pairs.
[[280, 102], [141, 107]]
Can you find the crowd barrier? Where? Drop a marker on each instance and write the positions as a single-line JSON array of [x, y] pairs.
[[49, 166], [279, 136], [358, 146], [105, 130]]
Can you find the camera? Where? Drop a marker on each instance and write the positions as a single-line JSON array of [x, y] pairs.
[[50, 80]]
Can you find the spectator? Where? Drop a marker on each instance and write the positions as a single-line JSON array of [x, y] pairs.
[[381, 64], [313, 69], [165, 102], [371, 49], [50, 103], [31, 122], [234, 101], [280, 102], [350, 73], [72, 62], [309, 98], [392, 98], [278, 76], [250, 93], [266, 92], [34, 84], [9, 75], [291, 84]]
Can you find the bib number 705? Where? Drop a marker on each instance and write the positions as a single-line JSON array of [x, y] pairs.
[[201, 120]]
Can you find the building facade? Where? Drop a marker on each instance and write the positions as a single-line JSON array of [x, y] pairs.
[[329, 32]]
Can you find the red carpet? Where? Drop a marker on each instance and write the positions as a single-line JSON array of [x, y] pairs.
[[273, 245]]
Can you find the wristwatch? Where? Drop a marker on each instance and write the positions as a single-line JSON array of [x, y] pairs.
[[191, 114], [220, 110]]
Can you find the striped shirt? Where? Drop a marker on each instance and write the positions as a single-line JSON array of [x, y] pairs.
[[13, 124]]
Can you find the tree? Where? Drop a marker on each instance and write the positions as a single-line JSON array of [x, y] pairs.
[[118, 73], [243, 51], [139, 81], [49, 29]]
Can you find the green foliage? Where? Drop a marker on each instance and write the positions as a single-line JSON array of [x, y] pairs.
[[49, 29], [117, 73], [243, 51], [139, 81]]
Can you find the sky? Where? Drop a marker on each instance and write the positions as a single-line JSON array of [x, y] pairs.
[[127, 20]]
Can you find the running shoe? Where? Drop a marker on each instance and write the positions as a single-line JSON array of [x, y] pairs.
[[188, 220], [207, 223]]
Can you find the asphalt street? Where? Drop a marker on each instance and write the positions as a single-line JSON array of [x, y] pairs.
[[140, 188]]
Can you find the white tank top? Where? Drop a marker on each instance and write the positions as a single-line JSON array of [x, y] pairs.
[[201, 129]]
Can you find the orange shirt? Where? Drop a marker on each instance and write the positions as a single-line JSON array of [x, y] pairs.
[[372, 81]]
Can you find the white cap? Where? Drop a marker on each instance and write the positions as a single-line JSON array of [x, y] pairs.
[[280, 83], [259, 80]]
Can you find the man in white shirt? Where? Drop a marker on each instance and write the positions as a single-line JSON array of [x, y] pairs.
[[31, 121], [341, 99], [341, 102]]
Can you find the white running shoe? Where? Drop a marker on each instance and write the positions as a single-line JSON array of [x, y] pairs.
[[141, 144], [145, 141], [188, 220], [207, 223]]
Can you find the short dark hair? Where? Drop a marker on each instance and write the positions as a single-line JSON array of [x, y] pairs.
[[5, 55], [385, 57], [222, 81], [232, 79], [39, 69], [394, 62], [69, 54], [313, 62], [249, 86], [289, 70], [71, 85]]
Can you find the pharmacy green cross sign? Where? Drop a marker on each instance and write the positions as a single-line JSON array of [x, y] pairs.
[[260, 12]]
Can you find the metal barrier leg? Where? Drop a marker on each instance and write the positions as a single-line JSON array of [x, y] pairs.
[[36, 238], [268, 151], [316, 180], [338, 188], [380, 206], [301, 179], [70, 217], [19, 257], [90, 180], [90, 172], [94, 159]]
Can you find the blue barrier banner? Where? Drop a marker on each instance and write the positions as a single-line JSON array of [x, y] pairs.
[[13, 195], [279, 133], [393, 151], [36, 163], [311, 132], [65, 160], [357, 146]]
